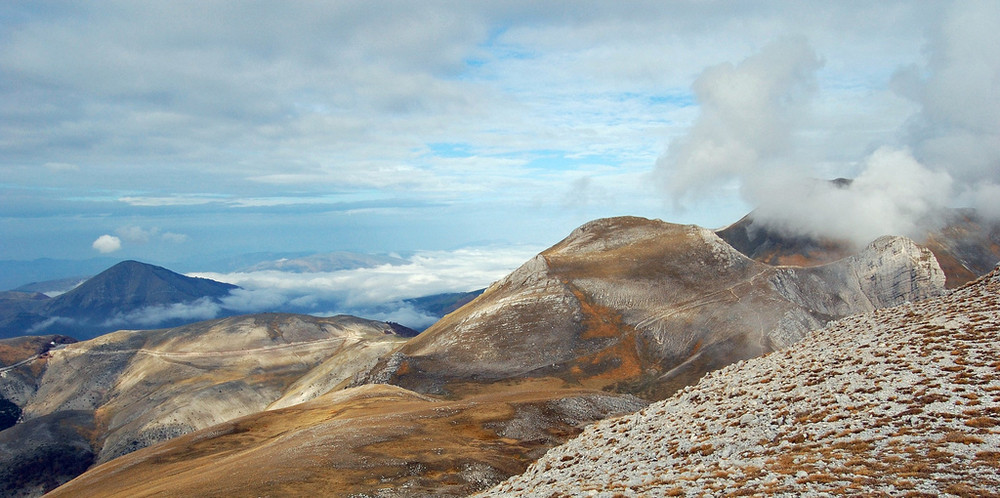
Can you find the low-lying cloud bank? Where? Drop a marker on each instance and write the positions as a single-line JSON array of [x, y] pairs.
[[376, 292]]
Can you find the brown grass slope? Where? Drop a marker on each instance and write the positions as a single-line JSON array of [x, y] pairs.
[[646, 307], [375, 440], [899, 402]]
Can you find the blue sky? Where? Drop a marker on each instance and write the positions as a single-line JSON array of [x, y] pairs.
[[169, 131]]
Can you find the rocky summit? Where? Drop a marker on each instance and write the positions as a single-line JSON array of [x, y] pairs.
[[900, 401]]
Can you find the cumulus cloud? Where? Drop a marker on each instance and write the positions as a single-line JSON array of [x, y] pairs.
[[750, 125], [107, 244], [749, 113], [957, 128]]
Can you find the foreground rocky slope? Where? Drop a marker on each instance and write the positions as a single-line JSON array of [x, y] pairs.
[[129, 389], [646, 307], [373, 440], [899, 401]]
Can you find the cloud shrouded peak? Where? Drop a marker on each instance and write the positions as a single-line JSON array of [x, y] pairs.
[[755, 122]]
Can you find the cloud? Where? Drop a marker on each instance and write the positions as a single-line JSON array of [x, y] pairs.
[[260, 106], [894, 194], [59, 167], [150, 316], [176, 238], [139, 235], [107, 244], [748, 115], [750, 132], [375, 292], [48, 322]]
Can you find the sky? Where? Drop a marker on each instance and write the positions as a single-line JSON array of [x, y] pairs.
[[172, 130]]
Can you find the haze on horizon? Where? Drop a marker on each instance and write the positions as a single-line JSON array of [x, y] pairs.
[[167, 131]]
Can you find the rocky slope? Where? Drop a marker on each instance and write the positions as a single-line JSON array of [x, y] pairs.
[[900, 401], [646, 307], [142, 387], [372, 440]]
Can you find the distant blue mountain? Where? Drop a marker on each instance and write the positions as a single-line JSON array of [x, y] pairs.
[[130, 294]]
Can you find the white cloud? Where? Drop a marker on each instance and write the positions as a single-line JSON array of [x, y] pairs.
[[107, 243], [749, 113], [136, 234], [59, 167], [375, 292], [151, 316], [176, 238], [750, 132], [268, 107], [956, 88], [894, 194], [139, 235]]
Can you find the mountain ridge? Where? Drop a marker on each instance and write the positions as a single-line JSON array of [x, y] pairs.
[[622, 302]]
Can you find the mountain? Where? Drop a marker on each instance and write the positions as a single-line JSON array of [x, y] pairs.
[[899, 401], [374, 440], [128, 294], [965, 244], [127, 390], [646, 307], [132, 285]]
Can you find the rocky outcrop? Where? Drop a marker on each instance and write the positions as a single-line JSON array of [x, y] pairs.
[[646, 307], [897, 401]]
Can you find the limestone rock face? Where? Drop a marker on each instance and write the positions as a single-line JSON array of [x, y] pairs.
[[645, 307]]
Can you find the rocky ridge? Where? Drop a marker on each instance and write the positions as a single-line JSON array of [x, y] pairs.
[[903, 400], [646, 307]]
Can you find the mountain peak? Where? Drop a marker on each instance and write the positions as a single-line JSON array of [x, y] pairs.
[[124, 288]]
